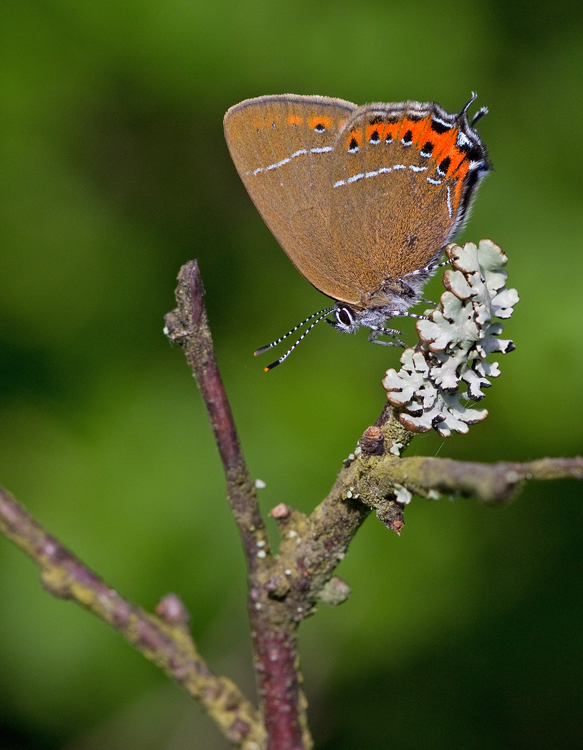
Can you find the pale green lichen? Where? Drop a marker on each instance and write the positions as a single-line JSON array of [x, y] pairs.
[[403, 495], [448, 366]]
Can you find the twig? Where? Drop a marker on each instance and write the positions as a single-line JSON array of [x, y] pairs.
[[164, 640], [373, 478], [283, 704], [188, 326], [491, 483]]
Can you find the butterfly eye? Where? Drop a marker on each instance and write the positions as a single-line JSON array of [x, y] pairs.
[[343, 316]]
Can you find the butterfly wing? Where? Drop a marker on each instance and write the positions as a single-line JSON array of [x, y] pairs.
[[282, 147], [401, 182]]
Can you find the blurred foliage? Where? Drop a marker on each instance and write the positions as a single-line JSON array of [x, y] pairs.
[[464, 632]]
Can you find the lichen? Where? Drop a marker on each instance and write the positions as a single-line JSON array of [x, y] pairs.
[[447, 368]]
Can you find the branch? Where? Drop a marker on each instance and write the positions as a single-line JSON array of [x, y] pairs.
[[283, 704], [164, 640], [285, 588], [376, 478], [188, 326], [491, 483]]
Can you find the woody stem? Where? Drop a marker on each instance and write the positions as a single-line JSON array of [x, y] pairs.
[[274, 633]]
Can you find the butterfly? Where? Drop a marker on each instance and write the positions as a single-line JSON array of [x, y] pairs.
[[361, 199]]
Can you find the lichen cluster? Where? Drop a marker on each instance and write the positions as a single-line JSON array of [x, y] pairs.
[[447, 368]]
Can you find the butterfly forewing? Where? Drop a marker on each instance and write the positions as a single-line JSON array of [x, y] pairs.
[[282, 147]]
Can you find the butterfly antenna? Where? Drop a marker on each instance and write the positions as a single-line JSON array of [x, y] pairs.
[[479, 114], [464, 111], [293, 330], [319, 316]]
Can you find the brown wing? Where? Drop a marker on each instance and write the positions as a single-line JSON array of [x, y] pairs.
[[391, 211], [283, 148]]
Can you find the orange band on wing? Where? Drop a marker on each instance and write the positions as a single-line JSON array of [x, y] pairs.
[[417, 128]]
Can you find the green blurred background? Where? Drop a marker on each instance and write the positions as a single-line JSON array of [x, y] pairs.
[[463, 633]]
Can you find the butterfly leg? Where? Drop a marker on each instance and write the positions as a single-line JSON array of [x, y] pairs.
[[420, 317], [429, 269], [392, 332]]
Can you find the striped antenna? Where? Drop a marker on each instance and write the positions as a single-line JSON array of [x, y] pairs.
[[318, 315], [293, 330], [479, 114]]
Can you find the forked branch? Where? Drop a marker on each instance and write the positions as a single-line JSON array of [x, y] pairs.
[[284, 588]]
